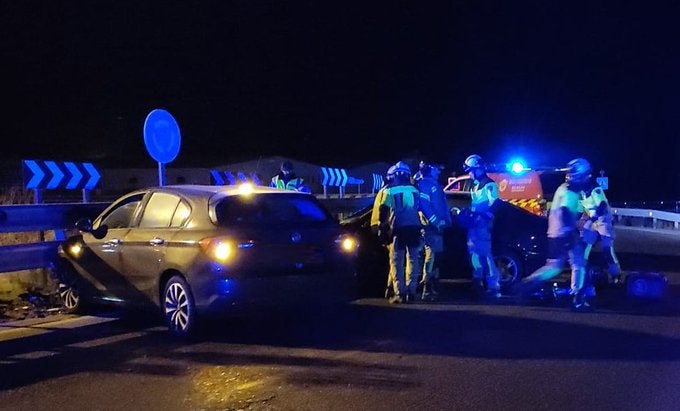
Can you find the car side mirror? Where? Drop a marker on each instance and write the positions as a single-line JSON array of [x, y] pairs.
[[100, 232], [84, 225]]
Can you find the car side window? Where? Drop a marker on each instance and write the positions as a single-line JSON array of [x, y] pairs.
[[181, 214], [122, 214], [159, 211]]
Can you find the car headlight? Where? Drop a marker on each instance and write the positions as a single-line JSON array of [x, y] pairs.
[[347, 243], [74, 249]]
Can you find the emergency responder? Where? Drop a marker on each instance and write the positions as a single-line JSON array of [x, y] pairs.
[[286, 178], [563, 236], [400, 226], [479, 221], [599, 225], [375, 222], [433, 197]]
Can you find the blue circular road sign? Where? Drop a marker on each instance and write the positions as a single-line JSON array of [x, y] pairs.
[[161, 136]]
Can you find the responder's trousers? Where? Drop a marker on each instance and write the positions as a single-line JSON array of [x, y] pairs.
[[407, 244], [561, 249], [479, 247]]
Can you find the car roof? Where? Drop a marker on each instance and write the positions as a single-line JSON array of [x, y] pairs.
[[226, 190], [216, 193]]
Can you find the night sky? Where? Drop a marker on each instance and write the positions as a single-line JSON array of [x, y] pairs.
[[342, 83]]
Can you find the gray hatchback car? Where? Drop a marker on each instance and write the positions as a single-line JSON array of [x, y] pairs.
[[193, 249]]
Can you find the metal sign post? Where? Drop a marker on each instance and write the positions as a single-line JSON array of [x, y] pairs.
[[162, 139]]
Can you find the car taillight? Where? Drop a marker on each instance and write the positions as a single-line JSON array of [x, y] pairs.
[[218, 248]]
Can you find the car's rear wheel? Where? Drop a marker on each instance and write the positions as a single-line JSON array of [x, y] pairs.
[[178, 307], [510, 268]]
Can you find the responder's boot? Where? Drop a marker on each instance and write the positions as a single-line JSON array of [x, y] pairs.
[[397, 299], [428, 292], [434, 283], [478, 287], [580, 302], [615, 273]]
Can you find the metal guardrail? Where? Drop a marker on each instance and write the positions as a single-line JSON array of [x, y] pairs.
[[37, 218], [657, 219]]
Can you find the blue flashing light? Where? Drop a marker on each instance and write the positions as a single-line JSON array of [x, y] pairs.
[[517, 166]]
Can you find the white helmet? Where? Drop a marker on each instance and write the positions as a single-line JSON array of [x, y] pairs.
[[473, 161], [402, 168]]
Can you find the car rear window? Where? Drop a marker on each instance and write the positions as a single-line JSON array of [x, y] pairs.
[[270, 209]]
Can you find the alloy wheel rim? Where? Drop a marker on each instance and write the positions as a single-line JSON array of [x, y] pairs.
[[507, 268], [69, 297], [177, 308]]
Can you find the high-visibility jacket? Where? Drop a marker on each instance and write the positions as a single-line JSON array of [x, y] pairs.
[[484, 194], [564, 212], [290, 183], [405, 203], [595, 202]]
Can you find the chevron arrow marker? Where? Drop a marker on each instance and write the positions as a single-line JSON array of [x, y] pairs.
[[38, 174], [94, 176], [344, 177], [57, 175], [325, 176], [218, 177], [75, 173]]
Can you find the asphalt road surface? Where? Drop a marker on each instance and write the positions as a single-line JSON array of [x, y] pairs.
[[458, 353]]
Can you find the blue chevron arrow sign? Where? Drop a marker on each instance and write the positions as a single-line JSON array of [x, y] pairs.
[[54, 175], [336, 177], [378, 181]]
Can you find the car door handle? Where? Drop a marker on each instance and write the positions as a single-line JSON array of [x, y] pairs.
[[157, 241], [110, 246]]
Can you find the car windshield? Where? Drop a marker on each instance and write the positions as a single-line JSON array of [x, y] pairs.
[[270, 209]]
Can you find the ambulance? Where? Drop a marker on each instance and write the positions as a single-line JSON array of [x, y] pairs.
[[530, 190]]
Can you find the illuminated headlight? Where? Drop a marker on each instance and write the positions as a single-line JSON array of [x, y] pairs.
[[75, 249], [347, 244]]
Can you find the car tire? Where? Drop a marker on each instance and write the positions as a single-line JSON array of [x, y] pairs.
[[178, 308], [511, 268], [69, 288]]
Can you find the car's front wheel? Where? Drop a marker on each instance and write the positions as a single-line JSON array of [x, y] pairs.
[[178, 307], [510, 268], [70, 297]]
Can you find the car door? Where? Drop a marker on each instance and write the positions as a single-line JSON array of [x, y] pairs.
[[102, 265], [145, 244]]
